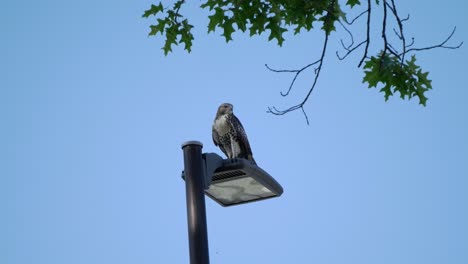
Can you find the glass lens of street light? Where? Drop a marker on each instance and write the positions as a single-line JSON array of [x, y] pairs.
[[240, 181], [238, 190], [237, 181]]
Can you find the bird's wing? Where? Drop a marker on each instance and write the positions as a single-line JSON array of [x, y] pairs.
[[241, 137], [215, 136]]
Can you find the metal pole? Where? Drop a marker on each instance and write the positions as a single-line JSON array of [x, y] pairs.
[[195, 193]]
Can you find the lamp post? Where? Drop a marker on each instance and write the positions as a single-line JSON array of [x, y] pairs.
[[227, 181], [196, 212]]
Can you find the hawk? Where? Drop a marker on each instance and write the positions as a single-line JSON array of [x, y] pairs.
[[229, 134]]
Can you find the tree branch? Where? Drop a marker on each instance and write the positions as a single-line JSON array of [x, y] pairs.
[[441, 45], [369, 11], [275, 111], [350, 35], [349, 49], [401, 35], [297, 72], [356, 18], [177, 6]]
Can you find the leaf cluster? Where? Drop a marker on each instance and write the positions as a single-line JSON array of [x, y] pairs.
[[256, 17], [274, 16], [406, 78], [388, 70], [176, 29]]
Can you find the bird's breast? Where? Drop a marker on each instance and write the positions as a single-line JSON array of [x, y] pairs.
[[221, 125]]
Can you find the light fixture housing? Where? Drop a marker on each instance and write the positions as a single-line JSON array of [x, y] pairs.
[[237, 181]]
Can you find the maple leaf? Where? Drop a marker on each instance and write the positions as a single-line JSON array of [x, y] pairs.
[[352, 3], [216, 19], [228, 29], [153, 10]]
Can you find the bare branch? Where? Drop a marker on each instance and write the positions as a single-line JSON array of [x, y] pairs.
[[305, 115], [387, 45], [350, 35], [350, 51], [384, 27], [392, 50], [275, 111], [389, 13], [356, 18], [406, 18], [297, 72], [441, 45], [344, 47], [369, 9], [411, 44], [389, 6], [397, 34], [400, 26]]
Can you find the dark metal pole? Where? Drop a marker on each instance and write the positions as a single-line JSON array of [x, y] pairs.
[[196, 212]]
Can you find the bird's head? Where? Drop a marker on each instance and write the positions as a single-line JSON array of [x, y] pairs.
[[225, 108]]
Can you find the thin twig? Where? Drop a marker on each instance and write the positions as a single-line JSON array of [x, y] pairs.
[[177, 11], [350, 51], [400, 26], [411, 44], [384, 34], [357, 17], [441, 45], [369, 11], [297, 72], [350, 35], [275, 111]]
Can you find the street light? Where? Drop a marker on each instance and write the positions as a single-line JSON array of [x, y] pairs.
[[238, 181], [227, 181]]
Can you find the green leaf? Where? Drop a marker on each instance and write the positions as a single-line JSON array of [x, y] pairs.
[[387, 91], [176, 32], [276, 31], [158, 27], [210, 4], [241, 22], [423, 80], [228, 29], [258, 26], [153, 10], [330, 18], [406, 78], [372, 76], [186, 35], [171, 37], [352, 3], [308, 23], [216, 19], [422, 97], [178, 4]]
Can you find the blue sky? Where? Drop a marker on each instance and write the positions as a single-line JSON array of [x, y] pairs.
[[93, 116]]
